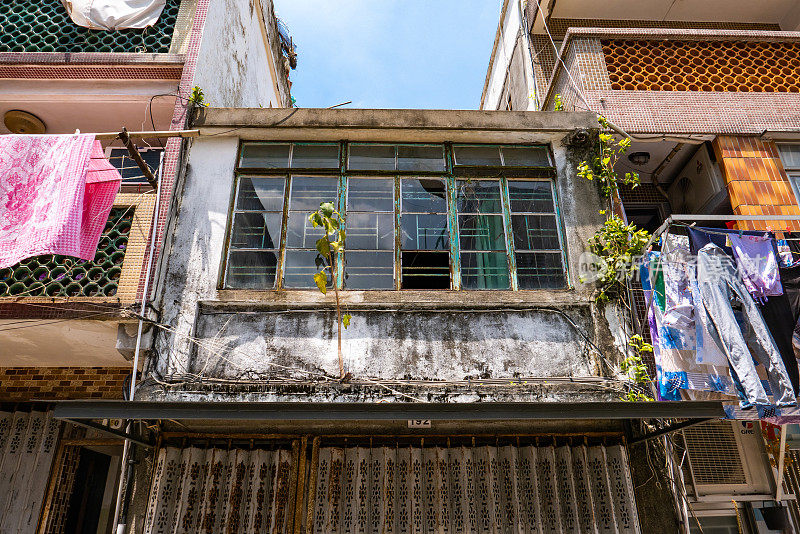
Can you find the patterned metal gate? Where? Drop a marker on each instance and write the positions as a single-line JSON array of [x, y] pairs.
[[473, 490], [27, 445], [216, 490]]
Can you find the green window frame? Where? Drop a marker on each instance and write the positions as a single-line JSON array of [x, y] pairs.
[[406, 229]]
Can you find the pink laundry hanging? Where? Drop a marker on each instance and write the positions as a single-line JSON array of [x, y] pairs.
[[56, 192]]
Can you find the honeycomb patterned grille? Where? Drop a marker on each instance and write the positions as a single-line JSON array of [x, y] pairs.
[[45, 26], [722, 66], [62, 276]]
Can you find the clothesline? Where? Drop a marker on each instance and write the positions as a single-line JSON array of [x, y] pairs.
[[714, 232], [672, 219]]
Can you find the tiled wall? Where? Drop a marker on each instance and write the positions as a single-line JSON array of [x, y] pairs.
[[730, 66], [674, 112], [757, 183], [52, 383], [542, 50]]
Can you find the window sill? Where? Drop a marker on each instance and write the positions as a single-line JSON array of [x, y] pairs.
[[445, 299]]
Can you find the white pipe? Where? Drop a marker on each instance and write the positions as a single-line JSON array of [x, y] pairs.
[[120, 527]]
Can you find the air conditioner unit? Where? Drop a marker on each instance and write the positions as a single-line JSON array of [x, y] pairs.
[[699, 186], [727, 458]]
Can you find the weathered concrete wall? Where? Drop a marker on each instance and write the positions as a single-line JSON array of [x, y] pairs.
[[386, 344], [242, 337], [237, 64], [506, 41]]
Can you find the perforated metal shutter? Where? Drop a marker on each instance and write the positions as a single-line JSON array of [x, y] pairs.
[[27, 445], [473, 489], [215, 490], [714, 454]]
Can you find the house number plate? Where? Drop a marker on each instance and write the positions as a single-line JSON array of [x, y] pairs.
[[419, 423]]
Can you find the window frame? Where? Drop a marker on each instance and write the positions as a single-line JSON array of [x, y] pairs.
[[450, 177], [792, 173]]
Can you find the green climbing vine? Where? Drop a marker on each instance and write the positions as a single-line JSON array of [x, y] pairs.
[[615, 247], [636, 370], [328, 246]]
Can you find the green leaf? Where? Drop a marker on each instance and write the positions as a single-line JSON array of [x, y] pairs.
[[315, 219], [346, 320], [323, 246], [327, 209], [321, 280]]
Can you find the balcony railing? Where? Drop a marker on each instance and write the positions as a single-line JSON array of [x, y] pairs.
[[60, 276], [45, 26]]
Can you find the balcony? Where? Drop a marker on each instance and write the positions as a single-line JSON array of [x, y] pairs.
[[681, 81], [61, 311], [45, 26]]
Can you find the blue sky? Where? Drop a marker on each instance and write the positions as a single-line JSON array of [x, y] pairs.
[[390, 53]]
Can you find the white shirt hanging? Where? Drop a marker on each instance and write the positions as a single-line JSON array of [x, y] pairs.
[[114, 14]]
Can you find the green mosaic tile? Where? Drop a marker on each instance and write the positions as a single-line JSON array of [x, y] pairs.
[[62, 276], [45, 26]]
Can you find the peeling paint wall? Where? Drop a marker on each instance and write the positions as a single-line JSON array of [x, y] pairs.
[[239, 340], [237, 65], [436, 345]]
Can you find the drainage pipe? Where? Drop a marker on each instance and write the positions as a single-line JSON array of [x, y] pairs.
[[126, 474]]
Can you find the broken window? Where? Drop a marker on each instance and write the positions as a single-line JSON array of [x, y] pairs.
[[399, 226], [256, 233], [537, 246], [482, 236], [302, 260], [424, 235], [370, 237]]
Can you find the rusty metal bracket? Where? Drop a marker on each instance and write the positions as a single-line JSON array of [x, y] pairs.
[[134, 153]]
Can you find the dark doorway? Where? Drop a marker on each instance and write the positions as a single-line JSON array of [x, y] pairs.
[[86, 501]]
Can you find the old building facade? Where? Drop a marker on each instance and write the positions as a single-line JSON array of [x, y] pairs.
[[706, 93], [65, 328]]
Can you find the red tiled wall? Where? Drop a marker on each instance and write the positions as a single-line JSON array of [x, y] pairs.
[[54, 383], [757, 183], [173, 145]]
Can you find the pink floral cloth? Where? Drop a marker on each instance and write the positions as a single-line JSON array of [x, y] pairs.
[[56, 192]]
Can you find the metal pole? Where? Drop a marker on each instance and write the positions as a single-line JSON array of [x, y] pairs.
[[781, 466], [134, 153], [120, 514]]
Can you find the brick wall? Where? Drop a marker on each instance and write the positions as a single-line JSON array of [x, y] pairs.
[[757, 182], [58, 383]]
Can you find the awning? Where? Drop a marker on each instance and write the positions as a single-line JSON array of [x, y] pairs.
[[280, 411]]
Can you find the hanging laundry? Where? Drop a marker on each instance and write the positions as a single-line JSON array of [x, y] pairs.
[[700, 237], [56, 192], [675, 351], [778, 317], [785, 253], [720, 285], [758, 265], [114, 14], [793, 241]]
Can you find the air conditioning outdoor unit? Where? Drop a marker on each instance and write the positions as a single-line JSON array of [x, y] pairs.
[[699, 186], [727, 458]]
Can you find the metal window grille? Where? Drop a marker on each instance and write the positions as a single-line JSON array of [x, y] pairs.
[[55, 275], [45, 26]]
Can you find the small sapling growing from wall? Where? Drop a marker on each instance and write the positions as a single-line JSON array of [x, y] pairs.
[[329, 245]]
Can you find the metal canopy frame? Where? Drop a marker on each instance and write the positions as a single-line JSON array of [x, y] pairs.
[[283, 411]]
